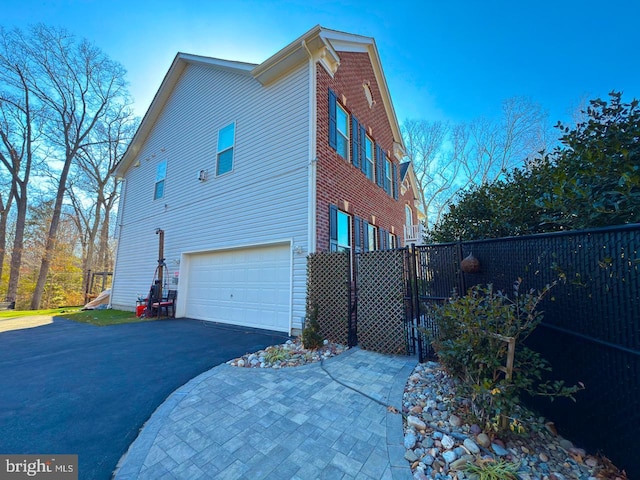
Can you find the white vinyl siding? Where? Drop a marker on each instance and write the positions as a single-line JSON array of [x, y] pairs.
[[265, 200]]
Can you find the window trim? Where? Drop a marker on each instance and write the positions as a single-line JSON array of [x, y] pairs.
[[369, 162], [347, 221], [334, 132], [372, 230], [344, 135], [159, 180], [393, 241], [225, 149], [388, 176], [334, 230]]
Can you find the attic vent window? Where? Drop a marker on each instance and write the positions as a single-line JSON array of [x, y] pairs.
[[368, 95]]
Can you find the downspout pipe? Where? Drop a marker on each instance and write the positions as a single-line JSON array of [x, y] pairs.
[[312, 174]]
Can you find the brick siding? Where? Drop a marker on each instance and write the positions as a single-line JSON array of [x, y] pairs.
[[338, 181]]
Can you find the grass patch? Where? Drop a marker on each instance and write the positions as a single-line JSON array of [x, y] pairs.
[[28, 313], [100, 318], [103, 318]]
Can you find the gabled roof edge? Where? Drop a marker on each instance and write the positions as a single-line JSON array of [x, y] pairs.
[[327, 43], [316, 39]]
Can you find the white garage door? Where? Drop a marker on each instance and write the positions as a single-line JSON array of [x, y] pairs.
[[249, 286]]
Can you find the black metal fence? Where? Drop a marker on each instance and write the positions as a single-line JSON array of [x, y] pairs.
[[590, 332], [591, 327]]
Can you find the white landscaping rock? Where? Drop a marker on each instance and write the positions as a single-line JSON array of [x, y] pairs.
[[416, 423]]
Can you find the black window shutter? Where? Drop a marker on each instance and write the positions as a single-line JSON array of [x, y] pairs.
[[363, 149], [357, 234], [333, 228], [395, 181], [332, 121], [383, 238], [379, 166], [355, 141]]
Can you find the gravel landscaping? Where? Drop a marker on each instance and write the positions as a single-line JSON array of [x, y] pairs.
[[440, 443], [289, 354]]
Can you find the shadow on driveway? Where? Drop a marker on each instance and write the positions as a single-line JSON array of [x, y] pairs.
[[73, 388]]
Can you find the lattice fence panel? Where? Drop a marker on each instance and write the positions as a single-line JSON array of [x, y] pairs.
[[381, 315], [328, 289]]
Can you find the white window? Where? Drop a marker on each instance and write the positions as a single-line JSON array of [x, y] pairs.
[[161, 175], [344, 232], [372, 233], [388, 184], [226, 140], [368, 161], [342, 127], [408, 215]]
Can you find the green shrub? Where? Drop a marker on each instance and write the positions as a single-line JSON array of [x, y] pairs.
[[472, 343], [492, 470], [276, 354], [311, 338]]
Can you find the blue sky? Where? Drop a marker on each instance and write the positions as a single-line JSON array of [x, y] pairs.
[[444, 60]]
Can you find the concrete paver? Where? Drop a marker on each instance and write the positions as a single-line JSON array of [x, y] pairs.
[[293, 423]]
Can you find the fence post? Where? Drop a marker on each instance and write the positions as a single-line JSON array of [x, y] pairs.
[[352, 298], [462, 283], [414, 293]]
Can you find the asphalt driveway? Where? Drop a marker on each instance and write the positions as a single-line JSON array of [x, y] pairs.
[[71, 388]]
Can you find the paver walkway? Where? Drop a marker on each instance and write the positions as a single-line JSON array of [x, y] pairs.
[[298, 423]]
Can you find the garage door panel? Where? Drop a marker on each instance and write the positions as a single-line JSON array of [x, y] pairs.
[[249, 287]]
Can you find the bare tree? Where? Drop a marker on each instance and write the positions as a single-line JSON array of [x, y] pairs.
[[425, 146], [93, 174], [5, 208], [448, 159], [19, 117], [76, 84]]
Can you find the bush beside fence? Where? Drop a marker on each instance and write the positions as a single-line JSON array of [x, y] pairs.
[[591, 327]]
